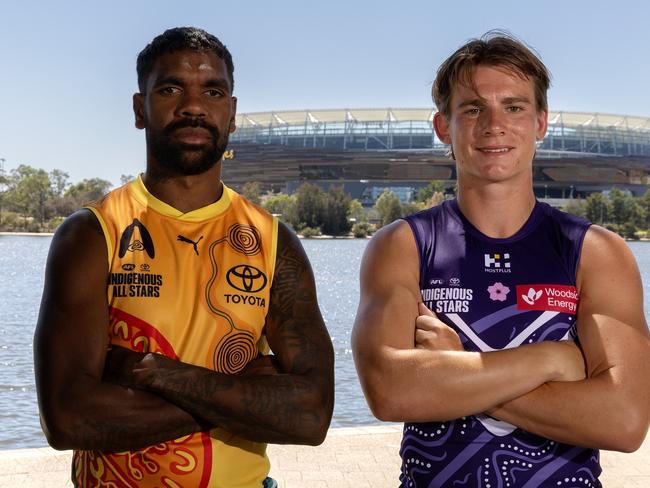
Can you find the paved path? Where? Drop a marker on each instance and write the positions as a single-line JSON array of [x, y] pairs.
[[355, 457]]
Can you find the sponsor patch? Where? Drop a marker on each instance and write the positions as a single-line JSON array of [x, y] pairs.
[[497, 263], [554, 298]]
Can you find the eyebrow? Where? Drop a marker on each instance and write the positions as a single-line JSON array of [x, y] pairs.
[[511, 100], [478, 101], [168, 80], [210, 83], [217, 83]]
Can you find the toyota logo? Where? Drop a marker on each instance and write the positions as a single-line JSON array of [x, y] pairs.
[[246, 278]]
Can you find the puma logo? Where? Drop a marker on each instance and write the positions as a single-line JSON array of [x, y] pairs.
[[190, 241]]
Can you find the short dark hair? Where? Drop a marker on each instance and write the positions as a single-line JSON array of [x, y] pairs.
[[179, 39], [494, 48]]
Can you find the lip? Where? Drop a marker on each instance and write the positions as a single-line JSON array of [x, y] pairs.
[[495, 150], [192, 135]]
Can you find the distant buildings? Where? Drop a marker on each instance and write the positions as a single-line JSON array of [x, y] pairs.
[[367, 150]]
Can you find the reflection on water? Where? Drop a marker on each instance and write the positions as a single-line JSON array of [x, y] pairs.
[[336, 267]]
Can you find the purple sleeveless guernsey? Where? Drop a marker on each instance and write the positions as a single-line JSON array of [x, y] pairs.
[[497, 294]]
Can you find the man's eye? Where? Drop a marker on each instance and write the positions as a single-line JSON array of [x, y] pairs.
[[515, 109], [473, 111], [168, 90], [214, 93]]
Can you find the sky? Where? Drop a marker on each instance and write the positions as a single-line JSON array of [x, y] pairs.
[[68, 68]]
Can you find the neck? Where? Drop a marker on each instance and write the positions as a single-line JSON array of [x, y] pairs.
[[498, 210], [185, 193]]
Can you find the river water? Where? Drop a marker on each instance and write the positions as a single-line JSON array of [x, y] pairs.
[[336, 267]]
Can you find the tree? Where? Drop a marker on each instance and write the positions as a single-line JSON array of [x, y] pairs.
[[621, 205], [436, 199], [644, 201], [311, 206], [4, 182], [124, 179], [576, 207], [88, 190], [434, 186], [282, 206], [337, 203], [389, 207], [598, 208], [29, 191], [637, 215], [59, 182], [411, 208], [356, 213], [252, 190]]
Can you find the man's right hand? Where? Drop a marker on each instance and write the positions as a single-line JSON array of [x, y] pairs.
[[433, 334]]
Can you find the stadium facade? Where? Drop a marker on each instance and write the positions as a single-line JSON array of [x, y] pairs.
[[367, 150]]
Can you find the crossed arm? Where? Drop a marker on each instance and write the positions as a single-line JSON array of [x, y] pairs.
[[412, 367], [142, 400], [610, 409]]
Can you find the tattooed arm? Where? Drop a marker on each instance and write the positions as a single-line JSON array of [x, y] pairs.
[[293, 406], [80, 410]]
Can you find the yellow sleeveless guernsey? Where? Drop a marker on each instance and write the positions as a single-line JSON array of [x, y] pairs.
[[194, 287]]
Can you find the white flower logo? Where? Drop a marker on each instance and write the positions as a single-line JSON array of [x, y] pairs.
[[532, 296]]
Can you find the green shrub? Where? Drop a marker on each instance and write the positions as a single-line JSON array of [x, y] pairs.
[[308, 232], [362, 229]]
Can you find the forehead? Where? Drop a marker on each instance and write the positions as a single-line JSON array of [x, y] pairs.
[[188, 64], [492, 82]]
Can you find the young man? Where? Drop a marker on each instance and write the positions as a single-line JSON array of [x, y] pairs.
[[162, 300], [469, 310]]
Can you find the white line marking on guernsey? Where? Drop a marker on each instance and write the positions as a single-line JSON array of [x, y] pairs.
[[517, 341]]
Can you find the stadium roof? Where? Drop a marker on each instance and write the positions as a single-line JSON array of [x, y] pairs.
[[315, 117]]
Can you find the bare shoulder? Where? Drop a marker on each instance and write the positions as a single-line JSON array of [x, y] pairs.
[[78, 249], [288, 241], [599, 240], [606, 259], [79, 230], [390, 292], [291, 262], [394, 237], [609, 283], [393, 252]]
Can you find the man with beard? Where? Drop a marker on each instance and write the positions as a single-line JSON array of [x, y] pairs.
[[163, 300]]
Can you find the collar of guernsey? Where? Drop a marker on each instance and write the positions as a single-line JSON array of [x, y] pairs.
[[141, 194]]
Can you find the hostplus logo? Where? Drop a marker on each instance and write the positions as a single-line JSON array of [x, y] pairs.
[[497, 263]]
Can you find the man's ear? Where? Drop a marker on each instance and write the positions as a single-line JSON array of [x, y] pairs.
[[441, 126], [138, 110], [233, 126]]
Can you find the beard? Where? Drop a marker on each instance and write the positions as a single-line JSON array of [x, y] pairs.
[[186, 159]]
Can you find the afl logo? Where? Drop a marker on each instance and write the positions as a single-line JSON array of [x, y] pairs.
[[246, 278]]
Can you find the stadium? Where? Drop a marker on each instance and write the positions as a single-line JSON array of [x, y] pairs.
[[368, 150]]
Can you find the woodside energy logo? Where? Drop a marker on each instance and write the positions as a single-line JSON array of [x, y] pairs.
[[554, 298]]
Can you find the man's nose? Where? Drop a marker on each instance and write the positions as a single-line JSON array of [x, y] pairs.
[[191, 105], [493, 122]]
